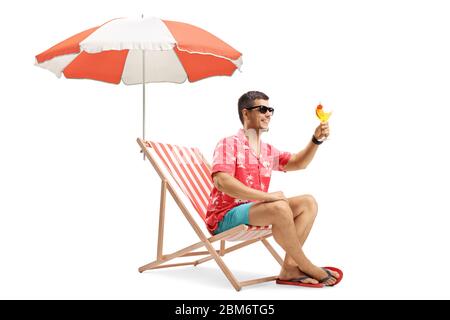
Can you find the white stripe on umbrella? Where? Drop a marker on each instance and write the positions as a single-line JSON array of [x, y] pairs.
[[121, 34], [164, 67]]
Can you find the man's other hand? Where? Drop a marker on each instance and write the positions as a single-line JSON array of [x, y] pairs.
[[275, 196]]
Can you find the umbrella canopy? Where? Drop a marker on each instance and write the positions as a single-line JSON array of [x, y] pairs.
[[137, 51], [173, 52]]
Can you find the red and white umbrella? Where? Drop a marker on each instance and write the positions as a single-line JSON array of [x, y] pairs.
[[138, 51]]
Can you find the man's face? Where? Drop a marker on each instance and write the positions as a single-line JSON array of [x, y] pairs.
[[254, 119]]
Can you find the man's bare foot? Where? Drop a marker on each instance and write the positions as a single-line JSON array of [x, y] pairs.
[[292, 272], [320, 274]]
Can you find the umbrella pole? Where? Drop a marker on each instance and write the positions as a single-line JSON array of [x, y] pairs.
[[143, 96]]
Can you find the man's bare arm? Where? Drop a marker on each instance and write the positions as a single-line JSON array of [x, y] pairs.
[[236, 189], [303, 158]]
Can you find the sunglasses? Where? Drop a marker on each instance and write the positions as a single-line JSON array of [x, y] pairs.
[[263, 109]]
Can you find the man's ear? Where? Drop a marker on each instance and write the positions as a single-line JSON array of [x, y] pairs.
[[244, 114]]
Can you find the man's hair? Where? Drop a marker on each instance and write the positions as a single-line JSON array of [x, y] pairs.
[[246, 101]]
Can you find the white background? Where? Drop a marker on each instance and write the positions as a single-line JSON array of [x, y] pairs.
[[79, 206]]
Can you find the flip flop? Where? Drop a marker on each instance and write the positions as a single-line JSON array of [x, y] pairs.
[[298, 281], [327, 270]]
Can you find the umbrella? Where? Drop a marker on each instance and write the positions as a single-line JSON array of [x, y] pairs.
[[137, 51]]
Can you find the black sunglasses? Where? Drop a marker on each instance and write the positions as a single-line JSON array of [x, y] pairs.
[[263, 109]]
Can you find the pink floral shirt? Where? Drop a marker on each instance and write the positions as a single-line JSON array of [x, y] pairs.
[[234, 156]]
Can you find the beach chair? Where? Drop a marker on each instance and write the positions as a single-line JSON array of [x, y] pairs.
[[191, 175]]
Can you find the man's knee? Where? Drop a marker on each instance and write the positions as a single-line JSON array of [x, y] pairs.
[[281, 211], [304, 204], [311, 204]]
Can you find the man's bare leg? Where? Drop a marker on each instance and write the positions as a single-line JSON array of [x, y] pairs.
[[304, 209], [279, 214]]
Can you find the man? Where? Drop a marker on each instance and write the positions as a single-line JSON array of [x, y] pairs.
[[241, 171]]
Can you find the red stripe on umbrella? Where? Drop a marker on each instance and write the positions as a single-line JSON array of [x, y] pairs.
[[68, 46], [104, 66], [196, 40], [200, 66]]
